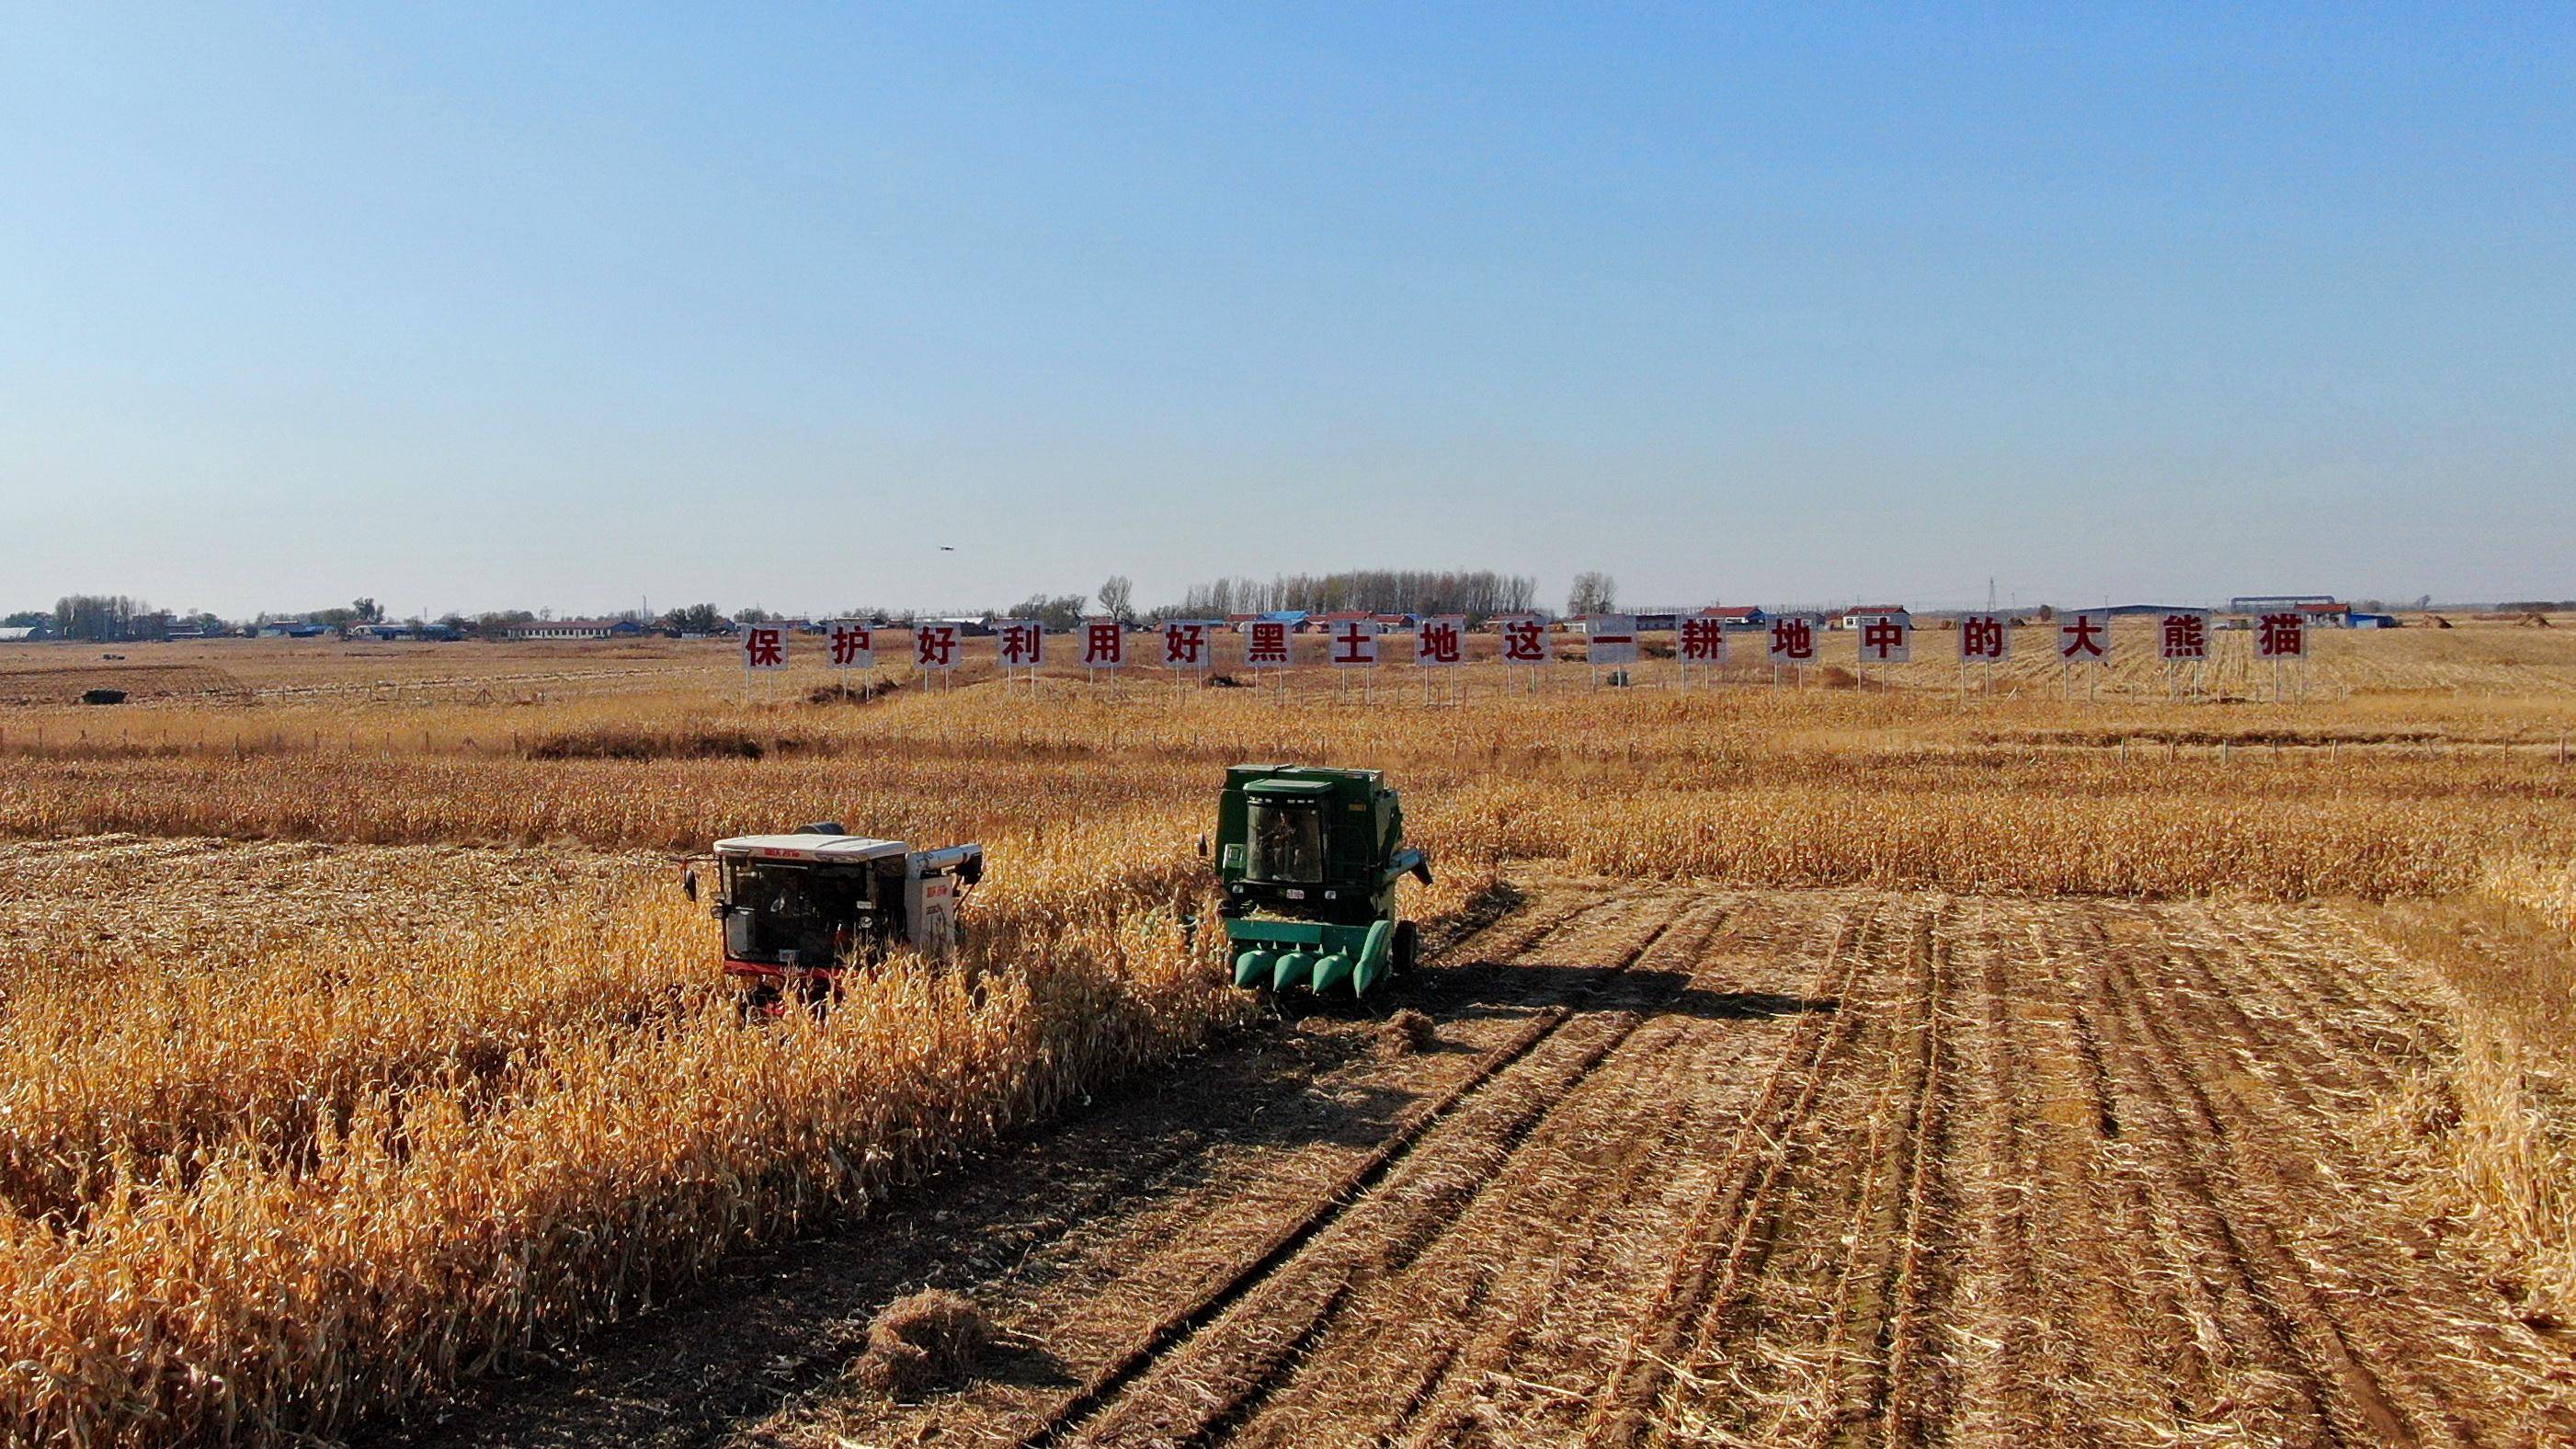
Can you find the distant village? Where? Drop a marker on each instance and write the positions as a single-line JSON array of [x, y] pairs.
[[116, 619]]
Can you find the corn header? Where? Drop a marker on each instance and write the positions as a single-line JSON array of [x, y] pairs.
[[1309, 859]]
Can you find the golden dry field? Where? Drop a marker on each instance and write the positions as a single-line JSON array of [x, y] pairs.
[[1862, 1061]]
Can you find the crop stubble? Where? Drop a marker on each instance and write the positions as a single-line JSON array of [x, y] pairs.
[[1812, 1167]]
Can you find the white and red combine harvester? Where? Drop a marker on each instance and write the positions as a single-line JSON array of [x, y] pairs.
[[800, 910]]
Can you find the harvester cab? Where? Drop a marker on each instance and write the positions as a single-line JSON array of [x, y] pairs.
[[799, 910], [1309, 858]]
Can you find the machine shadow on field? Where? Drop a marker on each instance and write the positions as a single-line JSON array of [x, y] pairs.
[[1483, 989]]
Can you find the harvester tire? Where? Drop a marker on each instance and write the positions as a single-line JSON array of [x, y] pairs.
[[1408, 948]]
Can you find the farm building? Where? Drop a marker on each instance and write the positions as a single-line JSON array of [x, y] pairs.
[[1854, 618], [2276, 603], [1737, 616], [575, 629]]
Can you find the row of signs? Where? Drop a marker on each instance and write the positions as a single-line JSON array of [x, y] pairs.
[[1107, 644], [2183, 637]]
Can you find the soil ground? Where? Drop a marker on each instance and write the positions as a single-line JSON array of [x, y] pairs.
[[1679, 1165]]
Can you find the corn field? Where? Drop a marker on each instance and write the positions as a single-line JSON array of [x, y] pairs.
[[270, 1167]]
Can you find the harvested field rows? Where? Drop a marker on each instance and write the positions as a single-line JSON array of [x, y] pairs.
[[1920, 1070], [1693, 1166], [224, 902]]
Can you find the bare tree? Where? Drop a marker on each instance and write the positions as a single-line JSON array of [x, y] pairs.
[[1594, 592], [1059, 612], [1117, 596]]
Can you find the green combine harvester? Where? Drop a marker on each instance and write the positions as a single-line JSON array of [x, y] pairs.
[[1309, 858]]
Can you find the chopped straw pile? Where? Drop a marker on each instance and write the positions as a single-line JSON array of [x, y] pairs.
[[922, 1343]]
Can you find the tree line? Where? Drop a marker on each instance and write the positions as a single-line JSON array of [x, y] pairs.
[[1476, 593], [1473, 592]]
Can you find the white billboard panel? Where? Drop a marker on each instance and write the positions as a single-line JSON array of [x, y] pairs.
[[2281, 636], [1440, 641], [1354, 643], [1104, 644], [764, 647], [1702, 641], [1984, 639], [1186, 645], [934, 646], [1019, 643], [2182, 636], [1792, 640], [1611, 638], [853, 644], [2084, 638], [1265, 644], [1886, 638], [1526, 641]]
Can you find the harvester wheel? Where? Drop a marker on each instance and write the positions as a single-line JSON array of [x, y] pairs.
[[1408, 948]]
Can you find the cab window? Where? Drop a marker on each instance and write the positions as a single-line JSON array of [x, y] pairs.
[[1287, 841]]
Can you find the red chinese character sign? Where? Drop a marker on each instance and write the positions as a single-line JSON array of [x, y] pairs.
[[1265, 644], [2182, 637], [1792, 642], [1186, 646], [1886, 638], [853, 645], [2084, 638], [935, 648], [2182, 642], [1019, 644], [1104, 644], [1702, 641], [2283, 639], [2281, 636], [1984, 639], [1354, 644], [764, 647], [1525, 642], [1440, 641]]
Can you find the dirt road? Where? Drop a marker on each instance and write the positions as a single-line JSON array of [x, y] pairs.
[[1682, 1166]]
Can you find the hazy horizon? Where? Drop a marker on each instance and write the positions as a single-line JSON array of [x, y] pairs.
[[497, 308]]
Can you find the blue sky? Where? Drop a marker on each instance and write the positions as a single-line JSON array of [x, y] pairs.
[[470, 307]]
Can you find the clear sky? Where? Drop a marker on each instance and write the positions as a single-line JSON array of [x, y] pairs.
[[471, 307]]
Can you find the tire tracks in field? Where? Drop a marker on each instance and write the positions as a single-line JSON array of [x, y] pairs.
[[2350, 1400], [1598, 1198], [2051, 1171], [2355, 1274], [1734, 1224], [1101, 1410], [779, 1325], [2065, 1323]]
